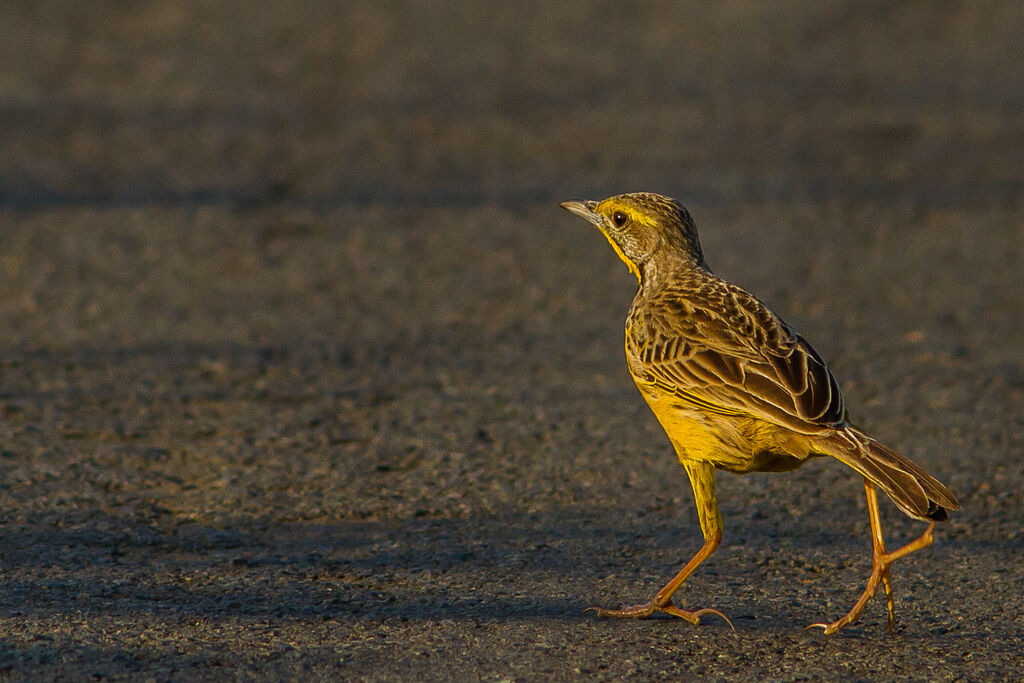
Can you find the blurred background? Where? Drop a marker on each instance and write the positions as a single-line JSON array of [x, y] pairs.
[[300, 357]]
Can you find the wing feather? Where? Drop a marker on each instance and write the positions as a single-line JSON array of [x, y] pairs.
[[731, 355]]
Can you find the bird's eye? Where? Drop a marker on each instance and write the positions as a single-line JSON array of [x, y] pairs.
[[619, 219]]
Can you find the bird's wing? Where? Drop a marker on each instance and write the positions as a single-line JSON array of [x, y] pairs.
[[731, 355]]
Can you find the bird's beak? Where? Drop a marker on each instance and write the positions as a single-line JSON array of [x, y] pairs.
[[584, 209]]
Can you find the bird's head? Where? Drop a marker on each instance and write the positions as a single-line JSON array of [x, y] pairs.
[[643, 228]]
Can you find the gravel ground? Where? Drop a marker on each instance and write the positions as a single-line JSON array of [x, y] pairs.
[[306, 375]]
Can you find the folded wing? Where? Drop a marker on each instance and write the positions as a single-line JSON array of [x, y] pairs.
[[726, 352]]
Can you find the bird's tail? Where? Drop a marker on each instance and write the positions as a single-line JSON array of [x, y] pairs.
[[916, 492]]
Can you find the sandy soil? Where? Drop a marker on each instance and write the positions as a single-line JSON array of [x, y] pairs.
[[306, 375]]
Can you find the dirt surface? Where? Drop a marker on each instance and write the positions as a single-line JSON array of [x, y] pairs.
[[306, 375]]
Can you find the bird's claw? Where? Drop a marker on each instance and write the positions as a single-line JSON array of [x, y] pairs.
[[708, 610], [828, 629]]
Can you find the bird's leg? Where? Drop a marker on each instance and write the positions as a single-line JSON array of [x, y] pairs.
[[879, 567], [702, 478]]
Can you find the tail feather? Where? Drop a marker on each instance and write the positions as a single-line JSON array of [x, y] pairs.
[[914, 491]]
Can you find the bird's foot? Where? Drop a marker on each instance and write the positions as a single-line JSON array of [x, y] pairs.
[[879, 575], [650, 608]]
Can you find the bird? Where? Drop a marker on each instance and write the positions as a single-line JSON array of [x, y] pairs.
[[737, 389]]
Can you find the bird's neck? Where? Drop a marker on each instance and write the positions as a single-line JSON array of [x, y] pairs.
[[657, 273]]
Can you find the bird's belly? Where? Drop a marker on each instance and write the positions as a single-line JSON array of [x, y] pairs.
[[731, 443]]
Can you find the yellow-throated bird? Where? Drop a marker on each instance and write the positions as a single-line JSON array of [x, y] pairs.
[[737, 389]]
